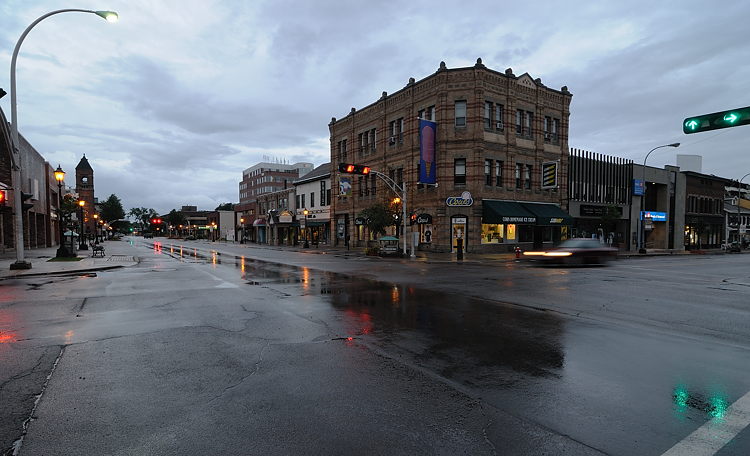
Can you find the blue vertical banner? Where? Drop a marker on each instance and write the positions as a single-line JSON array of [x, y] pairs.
[[427, 136]]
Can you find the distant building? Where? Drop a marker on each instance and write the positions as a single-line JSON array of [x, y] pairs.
[[85, 191], [313, 194], [704, 211], [268, 177]]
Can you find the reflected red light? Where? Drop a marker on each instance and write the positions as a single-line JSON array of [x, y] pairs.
[[350, 338], [7, 337]]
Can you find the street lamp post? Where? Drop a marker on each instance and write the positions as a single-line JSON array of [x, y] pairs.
[[739, 205], [641, 239], [304, 228], [242, 226], [62, 251], [82, 245], [21, 263]]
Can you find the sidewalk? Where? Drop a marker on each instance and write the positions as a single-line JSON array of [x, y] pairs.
[[117, 254]]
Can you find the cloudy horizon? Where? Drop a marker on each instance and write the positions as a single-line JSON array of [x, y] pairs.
[[172, 102]]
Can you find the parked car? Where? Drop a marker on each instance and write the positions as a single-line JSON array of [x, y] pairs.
[[148, 235], [575, 251]]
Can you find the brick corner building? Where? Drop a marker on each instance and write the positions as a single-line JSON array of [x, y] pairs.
[[494, 134]]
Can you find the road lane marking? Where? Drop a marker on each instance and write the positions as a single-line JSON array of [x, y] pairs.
[[708, 439]]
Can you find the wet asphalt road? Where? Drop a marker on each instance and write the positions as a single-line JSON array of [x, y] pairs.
[[194, 351]]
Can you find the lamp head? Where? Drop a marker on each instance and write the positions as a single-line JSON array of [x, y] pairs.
[[59, 174], [81, 203], [110, 16]]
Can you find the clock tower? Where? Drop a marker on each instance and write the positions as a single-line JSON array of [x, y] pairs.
[[85, 190]]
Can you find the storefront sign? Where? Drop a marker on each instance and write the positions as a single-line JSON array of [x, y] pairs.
[[655, 216], [595, 211], [637, 187], [460, 201], [285, 217], [511, 219], [423, 219]]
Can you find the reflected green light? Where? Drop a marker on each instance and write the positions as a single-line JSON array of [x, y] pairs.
[[681, 396], [718, 407]]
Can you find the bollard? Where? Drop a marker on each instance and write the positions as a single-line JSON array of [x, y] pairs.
[[518, 253]]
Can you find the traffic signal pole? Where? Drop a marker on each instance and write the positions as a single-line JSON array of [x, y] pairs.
[[396, 188]]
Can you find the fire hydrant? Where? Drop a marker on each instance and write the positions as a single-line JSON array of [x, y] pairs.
[[518, 253]]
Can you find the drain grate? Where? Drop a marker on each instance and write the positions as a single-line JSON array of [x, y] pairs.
[[120, 258]]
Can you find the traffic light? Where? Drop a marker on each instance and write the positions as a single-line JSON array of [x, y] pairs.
[[717, 120], [24, 205], [353, 169], [3, 198], [413, 219]]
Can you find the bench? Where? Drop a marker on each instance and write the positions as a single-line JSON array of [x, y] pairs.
[[97, 249]]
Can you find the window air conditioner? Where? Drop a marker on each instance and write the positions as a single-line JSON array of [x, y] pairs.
[[392, 140], [546, 136], [499, 125]]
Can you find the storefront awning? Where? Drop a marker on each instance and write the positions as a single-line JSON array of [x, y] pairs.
[[549, 214], [504, 212], [314, 223]]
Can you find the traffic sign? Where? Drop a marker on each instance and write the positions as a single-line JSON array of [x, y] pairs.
[[717, 120]]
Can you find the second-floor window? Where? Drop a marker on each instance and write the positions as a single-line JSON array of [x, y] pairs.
[[528, 176], [459, 171], [499, 173], [519, 170], [487, 172]]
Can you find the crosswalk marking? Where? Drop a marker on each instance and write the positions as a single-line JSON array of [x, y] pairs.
[[708, 439]]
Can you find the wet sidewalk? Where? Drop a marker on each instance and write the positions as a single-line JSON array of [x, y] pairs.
[[122, 253], [117, 254]]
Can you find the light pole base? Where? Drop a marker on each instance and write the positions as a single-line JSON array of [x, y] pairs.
[[20, 265]]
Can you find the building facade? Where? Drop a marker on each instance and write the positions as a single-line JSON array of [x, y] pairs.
[[313, 205], [266, 177], [595, 183], [704, 211], [493, 135]]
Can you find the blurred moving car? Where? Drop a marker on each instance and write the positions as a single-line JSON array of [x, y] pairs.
[[148, 235], [576, 251]]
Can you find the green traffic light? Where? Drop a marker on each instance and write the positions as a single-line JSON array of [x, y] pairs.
[[717, 120], [731, 117]]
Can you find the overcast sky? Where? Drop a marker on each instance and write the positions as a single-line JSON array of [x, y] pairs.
[[174, 100]]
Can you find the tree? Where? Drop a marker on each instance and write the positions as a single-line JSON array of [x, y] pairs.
[[112, 209], [142, 215], [225, 207], [378, 217], [175, 218], [610, 216]]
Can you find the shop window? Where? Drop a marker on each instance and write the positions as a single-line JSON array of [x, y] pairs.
[[525, 233], [493, 234]]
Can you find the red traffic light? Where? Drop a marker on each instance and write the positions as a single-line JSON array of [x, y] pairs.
[[353, 169], [2, 197]]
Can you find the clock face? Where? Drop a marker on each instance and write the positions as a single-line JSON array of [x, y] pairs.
[[85, 180]]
